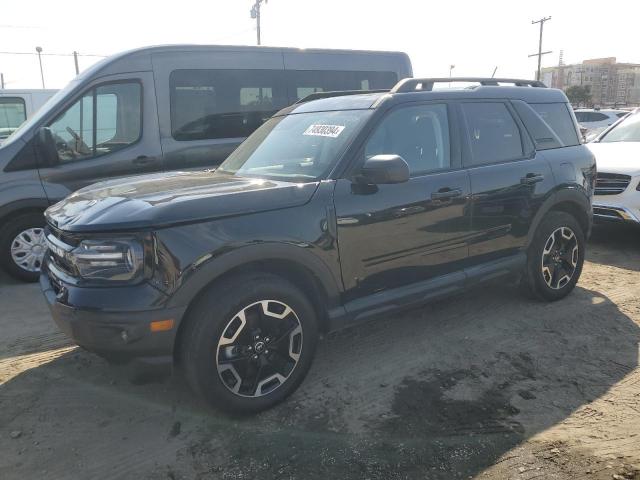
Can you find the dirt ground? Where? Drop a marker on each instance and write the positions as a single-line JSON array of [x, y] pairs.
[[486, 386]]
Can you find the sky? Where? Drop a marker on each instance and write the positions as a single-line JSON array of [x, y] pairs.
[[475, 36]]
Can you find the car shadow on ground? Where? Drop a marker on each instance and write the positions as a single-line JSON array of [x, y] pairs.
[[616, 246], [438, 392]]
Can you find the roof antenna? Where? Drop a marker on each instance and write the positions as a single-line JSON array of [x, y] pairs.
[[494, 72]]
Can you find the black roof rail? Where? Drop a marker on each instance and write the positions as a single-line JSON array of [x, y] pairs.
[[426, 84], [340, 93]]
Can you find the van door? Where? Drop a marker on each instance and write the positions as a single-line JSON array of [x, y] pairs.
[[108, 131]]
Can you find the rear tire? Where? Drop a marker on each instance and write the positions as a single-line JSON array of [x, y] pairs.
[[22, 246], [248, 343], [555, 258]]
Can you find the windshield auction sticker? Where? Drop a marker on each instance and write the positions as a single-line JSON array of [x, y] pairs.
[[332, 131]]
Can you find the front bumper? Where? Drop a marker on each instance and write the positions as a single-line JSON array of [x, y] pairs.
[[110, 322], [605, 212]]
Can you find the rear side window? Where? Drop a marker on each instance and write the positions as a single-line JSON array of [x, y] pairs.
[[305, 82], [493, 133], [558, 119], [622, 114], [208, 104], [211, 104]]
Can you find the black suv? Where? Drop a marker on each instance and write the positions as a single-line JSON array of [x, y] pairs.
[[340, 207]]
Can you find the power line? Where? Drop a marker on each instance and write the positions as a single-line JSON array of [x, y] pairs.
[[540, 52]]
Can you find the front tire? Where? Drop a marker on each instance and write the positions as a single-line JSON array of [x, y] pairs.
[[22, 246], [555, 258], [249, 342]]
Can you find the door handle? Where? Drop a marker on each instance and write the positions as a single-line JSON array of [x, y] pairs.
[[531, 178], [143, 160], [446, 193]]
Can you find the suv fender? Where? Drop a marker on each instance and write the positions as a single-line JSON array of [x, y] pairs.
[[198, 277], [572, 201]]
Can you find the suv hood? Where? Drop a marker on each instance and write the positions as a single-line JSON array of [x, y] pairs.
[[617, 157], [166, 199]]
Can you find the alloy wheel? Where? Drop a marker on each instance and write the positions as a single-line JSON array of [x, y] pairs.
[[28, 249], [560, 258], [259, 348]]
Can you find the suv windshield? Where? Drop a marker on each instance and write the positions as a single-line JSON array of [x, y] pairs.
[[297, 147], [627, 131]]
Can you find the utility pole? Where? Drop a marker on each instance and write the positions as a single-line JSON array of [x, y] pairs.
[[2, 81], [255, 13], [540, 52], [451, 67], [75, 60], [39, 50]]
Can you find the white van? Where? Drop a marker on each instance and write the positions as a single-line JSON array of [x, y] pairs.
[[18, 105]]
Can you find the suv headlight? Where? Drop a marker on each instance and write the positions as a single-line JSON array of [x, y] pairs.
[[113, 259]]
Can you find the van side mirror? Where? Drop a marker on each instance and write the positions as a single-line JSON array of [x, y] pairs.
[[384, 169], [47, 146]]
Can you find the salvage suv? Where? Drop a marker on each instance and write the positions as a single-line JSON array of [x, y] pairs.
[[339, 208]]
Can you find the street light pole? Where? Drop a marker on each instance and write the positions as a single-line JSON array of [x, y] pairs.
[[39, 50], [75, 61], [451, 67], [255, 13], [540, 52]]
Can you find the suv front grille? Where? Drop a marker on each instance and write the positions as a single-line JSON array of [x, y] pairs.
[[611, 183], [59, 244]]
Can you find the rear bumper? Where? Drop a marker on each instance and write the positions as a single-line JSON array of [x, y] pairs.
[[121, 336]]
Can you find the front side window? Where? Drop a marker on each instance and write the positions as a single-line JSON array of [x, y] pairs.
[[628, 130], [297, 147], [419, 134], [105, 119], [493, 134], [12, 113]]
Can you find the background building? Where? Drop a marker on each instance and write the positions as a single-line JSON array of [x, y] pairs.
[[611, 84]]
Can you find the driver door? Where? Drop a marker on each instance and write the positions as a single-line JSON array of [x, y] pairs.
[[108, 131]]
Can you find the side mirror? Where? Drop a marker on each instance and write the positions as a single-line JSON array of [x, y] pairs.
[[47, 146], [384, 169]]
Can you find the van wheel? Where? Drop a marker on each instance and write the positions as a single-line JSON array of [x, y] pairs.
[[249, 342], [555, 258], [23, 245]]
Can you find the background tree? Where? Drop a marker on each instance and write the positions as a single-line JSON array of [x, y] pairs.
[[579, 95]]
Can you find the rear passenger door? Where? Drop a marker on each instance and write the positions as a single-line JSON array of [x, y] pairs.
[[509, 181]]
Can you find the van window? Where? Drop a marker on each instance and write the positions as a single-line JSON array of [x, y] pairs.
[[117, 122], [12, 113], [305, 82], [207, 104], [494, 135], [419, 134]]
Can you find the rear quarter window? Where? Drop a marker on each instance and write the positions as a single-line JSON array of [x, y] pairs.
[[550, 124]]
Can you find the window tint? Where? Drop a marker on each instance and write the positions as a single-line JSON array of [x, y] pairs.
[[117, 122], [419, 134], [208, 104], [12, 114], [493, 133], [223, 103], [582, 116], [597, 117], [558, 119], [305, 82]]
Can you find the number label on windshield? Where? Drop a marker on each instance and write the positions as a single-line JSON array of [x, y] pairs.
[[332, 131]]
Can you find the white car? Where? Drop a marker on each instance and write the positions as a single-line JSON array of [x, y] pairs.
[[617, 152], [596, 121]]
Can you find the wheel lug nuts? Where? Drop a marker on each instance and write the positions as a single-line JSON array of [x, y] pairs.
[[255, 357], [266, 352]]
